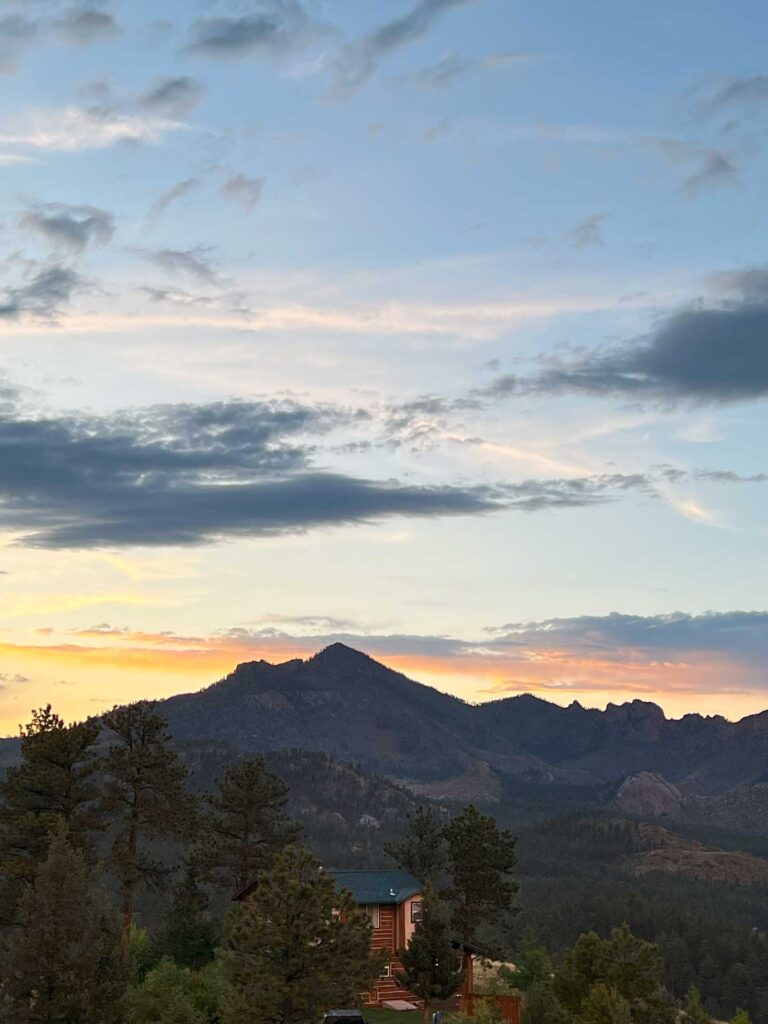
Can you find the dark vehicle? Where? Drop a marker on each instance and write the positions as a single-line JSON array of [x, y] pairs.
[[344, 1017]]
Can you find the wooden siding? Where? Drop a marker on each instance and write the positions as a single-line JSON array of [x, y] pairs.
[[509, 1006], [388, 937]]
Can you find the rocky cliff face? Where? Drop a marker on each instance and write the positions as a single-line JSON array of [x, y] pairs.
[[648, 795]]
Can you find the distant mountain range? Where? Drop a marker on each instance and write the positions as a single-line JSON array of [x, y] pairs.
[[344, 704]]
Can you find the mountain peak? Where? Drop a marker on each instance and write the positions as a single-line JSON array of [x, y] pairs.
[[338, 654]]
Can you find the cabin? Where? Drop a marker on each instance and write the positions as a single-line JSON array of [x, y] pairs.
[[392, 900]]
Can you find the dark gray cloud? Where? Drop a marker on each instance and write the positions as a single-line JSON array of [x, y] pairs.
[[192, 474], [85, 25], [173, 96], [454, 66], [699, 354], [75, 227], [44, 295], [244, 191], [178, 475], [195, 262], [587, 233], [165, 199], [355, 62], [276, 29], [743, 634]]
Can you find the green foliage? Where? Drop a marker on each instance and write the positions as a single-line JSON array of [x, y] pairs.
[[542, 1006], [188, 934], [145, 796], [740, 1017], [423, 851], [604, 1005], [533, 966], [694, 1011], [486, 1011], [294, 947], [481, 859], [432, 967], [62, 965], [55, 782], [170, 994], [626, 966], [245, 825]]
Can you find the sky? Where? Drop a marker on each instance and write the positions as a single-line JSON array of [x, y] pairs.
[[437, 327]]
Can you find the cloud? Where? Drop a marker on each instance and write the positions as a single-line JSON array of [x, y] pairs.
[[16, 31], [454, 66], [192, 262], [75, 227], [85, 25], [13, 677], [355, 62], [706, 354], [43, 296], [748, 90], [716, 170], [241, 189], [164, 200], [587, 233], [173, 96], [279, 28], [69, 129]]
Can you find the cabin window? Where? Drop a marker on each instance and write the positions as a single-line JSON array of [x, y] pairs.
[[415, 911], [386, 971], [373, 913]]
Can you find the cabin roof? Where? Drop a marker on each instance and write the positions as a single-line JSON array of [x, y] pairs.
[[378, 887]]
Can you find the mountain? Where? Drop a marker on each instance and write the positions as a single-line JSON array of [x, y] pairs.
[[343, 704]]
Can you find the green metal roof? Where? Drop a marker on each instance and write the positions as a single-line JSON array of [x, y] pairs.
[[377, 886]]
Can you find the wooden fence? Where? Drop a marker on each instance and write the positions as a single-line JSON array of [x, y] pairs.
[[509, 1006]]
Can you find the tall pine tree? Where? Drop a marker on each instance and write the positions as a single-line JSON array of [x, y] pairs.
[[423, 851], [481, 859], [295, 947], [244, 825], [145, 794], [62, 965], [432, 967], [54, 784]]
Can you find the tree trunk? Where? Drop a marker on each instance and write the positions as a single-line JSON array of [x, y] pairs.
[[426, 1012], [129, 882]]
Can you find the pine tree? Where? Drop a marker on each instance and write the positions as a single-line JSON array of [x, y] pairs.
[[694, 1011], [62, 965], [423, 852], [55, 782], [169, 994], [245, 825], [604, 1005], [542, 1006], [295, 947], [432, 967], [481, 858], [189, 935], [144, 792]]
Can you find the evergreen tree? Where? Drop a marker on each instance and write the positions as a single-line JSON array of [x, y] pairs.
[[423, 852], [432, 967], [169, 994], [604, 1005], [55, 782], [62, 965], [541, 1006], [144, 792], [737, 989], [532, 966], [625, 964], [245, 825], [481, 858], [295, 947], [694, 1011], [189, 935]]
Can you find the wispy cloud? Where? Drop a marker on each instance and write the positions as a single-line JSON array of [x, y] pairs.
[[68, 129]]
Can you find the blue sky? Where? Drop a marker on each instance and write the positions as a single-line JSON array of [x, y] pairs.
[[438, 326]]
